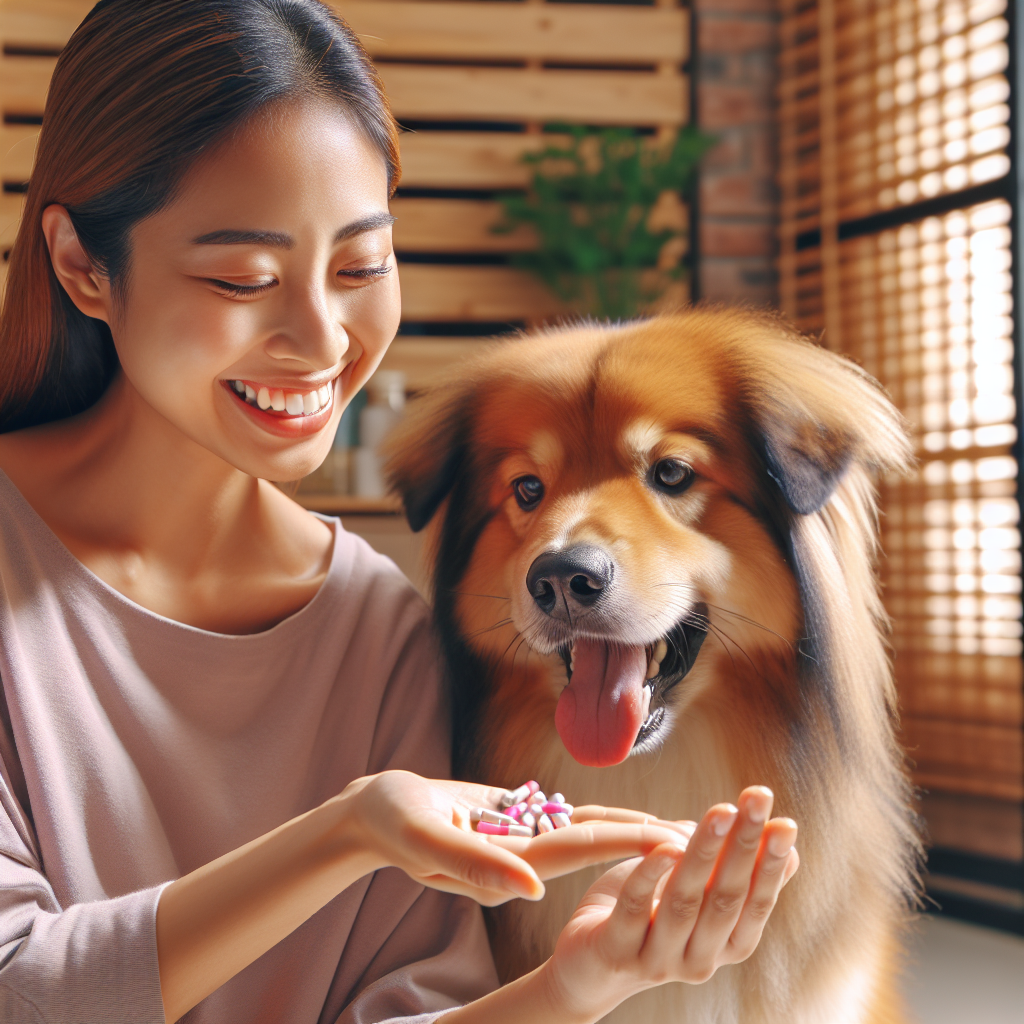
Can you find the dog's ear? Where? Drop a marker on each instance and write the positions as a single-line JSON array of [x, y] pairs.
[[807, 459], [817, 415], [425, 453]]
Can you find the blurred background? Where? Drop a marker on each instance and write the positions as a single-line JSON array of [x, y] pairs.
[[852, 162]]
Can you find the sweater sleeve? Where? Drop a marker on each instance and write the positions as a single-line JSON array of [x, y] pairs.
[[86, 962], [437, 955]]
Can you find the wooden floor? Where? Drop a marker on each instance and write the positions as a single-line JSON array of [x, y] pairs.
[[963, 974]]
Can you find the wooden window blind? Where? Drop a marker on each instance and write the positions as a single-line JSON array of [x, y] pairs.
[[896, 248]]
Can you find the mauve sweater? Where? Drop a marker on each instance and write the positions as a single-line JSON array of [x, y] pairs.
[[134, 749]]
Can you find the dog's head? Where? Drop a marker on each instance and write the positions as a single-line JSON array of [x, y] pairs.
[[602, 494]]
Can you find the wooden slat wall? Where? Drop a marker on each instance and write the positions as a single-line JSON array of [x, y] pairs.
[[883, 104], [517, 65]]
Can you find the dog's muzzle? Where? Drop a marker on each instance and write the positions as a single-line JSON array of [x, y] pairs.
[[561, 582]]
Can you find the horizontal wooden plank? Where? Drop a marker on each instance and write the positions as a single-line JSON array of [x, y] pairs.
[[422, 360], [454, 225], [589, 33], [491, 294], [45, 24], [17, 151], [424, 92], [429, 92], [460, 30], [468, 159], [23, 83], [10, 217], [461, 159]]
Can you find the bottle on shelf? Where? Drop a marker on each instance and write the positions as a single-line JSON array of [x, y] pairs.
[[385, 403]]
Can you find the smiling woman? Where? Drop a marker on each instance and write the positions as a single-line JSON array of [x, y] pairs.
[[220, 715]]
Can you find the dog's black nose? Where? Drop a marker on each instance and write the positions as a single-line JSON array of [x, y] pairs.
[[579, 575]]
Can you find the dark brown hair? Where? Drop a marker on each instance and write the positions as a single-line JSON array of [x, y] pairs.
[[140, 91]]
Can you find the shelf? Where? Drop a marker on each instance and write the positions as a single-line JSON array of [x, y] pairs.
[[348, 505]]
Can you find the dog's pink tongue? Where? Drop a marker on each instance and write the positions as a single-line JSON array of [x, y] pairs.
[[600, 712]]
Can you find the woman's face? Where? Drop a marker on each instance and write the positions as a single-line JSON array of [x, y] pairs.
[[263, 297]]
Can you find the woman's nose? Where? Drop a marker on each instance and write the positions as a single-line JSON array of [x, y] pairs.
[[311, 330]]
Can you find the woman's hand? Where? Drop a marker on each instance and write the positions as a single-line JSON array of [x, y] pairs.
[[678, 914], [422, 826]]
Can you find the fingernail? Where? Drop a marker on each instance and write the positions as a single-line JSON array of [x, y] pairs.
[[723, 821], [759, 806], [524, 889], [780, 843]]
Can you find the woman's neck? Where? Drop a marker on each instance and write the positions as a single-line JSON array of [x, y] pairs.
[[165, 521]]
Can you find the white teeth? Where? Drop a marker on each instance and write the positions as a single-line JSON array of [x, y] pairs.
[[572, 657], [280, 401], [648, 694], [660, 651], [653, 668]]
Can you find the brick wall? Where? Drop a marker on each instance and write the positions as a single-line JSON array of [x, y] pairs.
[[736, 46]]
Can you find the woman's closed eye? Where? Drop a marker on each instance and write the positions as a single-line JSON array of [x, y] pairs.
[[366, 273], [236, 290]]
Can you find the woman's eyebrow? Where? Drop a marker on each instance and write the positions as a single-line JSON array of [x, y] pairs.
[[371, 223], [272, 239], [278, 240]]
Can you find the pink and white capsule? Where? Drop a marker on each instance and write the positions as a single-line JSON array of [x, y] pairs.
[[529, 820], [504, 830], [545, 824], [524, 792], [560, 820], [494, 817], [557, 798], [556, 808]]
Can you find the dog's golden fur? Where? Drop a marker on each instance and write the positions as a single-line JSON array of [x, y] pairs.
[[792, 688]]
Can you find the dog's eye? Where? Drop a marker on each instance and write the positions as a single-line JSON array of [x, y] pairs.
[[528, 491], [671, 476]]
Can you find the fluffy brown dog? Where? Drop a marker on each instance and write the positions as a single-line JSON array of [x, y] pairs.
[[653, 569]]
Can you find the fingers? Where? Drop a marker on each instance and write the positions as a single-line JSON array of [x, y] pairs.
[[775, 858], [730, 885], [594, 813], [463, 862], [683, 894], [568, 849], [630, 918]]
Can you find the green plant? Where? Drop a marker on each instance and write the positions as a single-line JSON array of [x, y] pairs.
[[594, 204]]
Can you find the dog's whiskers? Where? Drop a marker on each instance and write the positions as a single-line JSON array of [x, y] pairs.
[[729, 611], [488, 629]]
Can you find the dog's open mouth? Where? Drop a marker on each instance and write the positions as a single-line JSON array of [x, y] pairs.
[[616, 696]]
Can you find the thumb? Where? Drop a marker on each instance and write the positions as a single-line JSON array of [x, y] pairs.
[[480, 866]]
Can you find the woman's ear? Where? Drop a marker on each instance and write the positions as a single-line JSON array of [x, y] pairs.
[[86, 287]]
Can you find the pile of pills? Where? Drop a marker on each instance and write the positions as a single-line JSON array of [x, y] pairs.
[[527, 813]]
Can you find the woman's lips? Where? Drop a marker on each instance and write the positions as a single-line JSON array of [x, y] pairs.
[[282, 412]]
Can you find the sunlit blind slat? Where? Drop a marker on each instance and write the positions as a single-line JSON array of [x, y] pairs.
[[916, 95]]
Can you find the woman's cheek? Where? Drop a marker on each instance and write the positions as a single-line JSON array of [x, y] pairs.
[[372, 321], [177, 359]]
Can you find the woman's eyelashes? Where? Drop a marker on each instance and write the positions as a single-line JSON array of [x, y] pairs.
[[241, 290], [366, 273], [356, 274]]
